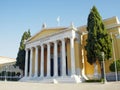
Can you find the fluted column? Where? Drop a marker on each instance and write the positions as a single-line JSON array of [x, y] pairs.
[[31, 54], [36, 61], [72, 56], [48, 60], [63, 58], [55, 59], [42, 61], [26, 63]]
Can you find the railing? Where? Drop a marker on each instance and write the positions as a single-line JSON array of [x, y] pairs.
[[109, 78], [112, 78]]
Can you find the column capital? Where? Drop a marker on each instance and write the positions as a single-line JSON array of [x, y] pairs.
[[62, 39], [41, 45], [72, 37], [48, 43], [36, 47], [26, 49], [31, 48], [56, 41]]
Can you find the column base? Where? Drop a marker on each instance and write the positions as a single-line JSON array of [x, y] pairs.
[[35, 77], [55, 76]]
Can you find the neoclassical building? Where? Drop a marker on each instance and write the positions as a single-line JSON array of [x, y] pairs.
[[7, 65], [58, 54]]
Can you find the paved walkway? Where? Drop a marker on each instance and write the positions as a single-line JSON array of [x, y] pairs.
[[42, 86]]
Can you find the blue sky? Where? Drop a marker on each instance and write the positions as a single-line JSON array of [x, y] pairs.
[[17, 16]]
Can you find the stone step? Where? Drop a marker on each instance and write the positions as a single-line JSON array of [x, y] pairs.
[[65, 79]]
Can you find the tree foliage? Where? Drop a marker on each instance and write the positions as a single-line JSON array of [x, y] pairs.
[[112, 66], [98, 39], [21, 53]]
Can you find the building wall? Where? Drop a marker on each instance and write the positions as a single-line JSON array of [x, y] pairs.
[[89, 69], [118, 46], [77, 56], [111, 21]]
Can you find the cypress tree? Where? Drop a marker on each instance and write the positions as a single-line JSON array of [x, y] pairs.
[[98, 38], [21, 53]]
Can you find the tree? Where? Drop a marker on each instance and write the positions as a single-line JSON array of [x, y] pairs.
[[98, 38], [112, 66], [21, 53]]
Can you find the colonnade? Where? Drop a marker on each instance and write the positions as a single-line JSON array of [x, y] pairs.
[[55, 59]]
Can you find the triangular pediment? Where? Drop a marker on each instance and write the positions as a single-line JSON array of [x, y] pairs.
[[45, 32]]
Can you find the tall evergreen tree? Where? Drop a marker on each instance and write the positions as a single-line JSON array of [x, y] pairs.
[[21, 53], [98, 38]]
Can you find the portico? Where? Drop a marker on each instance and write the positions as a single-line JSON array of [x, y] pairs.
[[52, 56]]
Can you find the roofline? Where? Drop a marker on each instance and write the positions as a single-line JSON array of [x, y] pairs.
[[7, 57], [112, 18], [8, 63], [107, 27]]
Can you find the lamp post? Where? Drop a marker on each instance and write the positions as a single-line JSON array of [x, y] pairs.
[[105, 80], [114, 58]]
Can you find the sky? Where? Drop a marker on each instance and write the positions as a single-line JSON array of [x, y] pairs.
[[17, 16]]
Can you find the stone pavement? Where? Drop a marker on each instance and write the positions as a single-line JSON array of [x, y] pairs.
[[43, 86]]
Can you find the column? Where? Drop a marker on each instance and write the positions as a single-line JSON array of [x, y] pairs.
[[26, 63], [48, 60], [42, 61], [36, 61], [31, 54], [63, 58], [55, 60], [72, 56]]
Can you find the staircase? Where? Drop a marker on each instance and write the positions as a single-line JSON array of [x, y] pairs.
[[60, 79]]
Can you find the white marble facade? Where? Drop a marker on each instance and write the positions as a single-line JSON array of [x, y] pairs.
[[48, 42]]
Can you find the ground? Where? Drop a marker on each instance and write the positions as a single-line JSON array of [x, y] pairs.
[[43, 86]]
